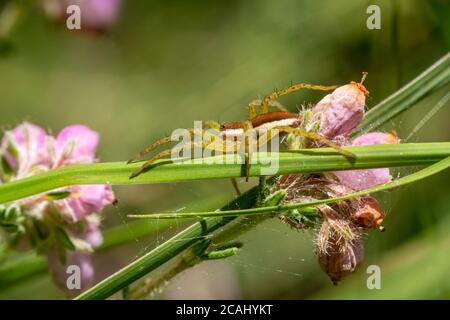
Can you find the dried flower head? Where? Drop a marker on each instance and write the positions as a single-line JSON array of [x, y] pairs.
[[339, 225], [341, 257]]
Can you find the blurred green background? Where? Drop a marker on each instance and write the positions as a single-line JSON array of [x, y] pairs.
[[168, 63]]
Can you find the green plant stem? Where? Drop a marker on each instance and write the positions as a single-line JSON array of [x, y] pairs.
[[190, 257], [433, 169], [193, 255], [302, 161], [166, 251], [186, 260]]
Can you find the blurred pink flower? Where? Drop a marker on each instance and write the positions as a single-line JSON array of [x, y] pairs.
[[85, 200], [25, 146], [341, 111], [85, 240], [75, 144], [93, 234], [366, 178], [96, 15], [28, 146], [60, 274]]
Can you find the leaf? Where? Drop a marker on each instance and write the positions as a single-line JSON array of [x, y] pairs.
[[10, 227], [63, 239], [59, 195]]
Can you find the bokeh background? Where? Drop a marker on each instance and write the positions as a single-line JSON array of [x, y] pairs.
[[165, 64]]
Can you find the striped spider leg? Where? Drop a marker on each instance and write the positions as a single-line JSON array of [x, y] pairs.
[[206, 143]]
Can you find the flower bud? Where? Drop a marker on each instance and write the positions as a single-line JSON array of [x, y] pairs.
[[341, 259], [341, 111], [368, 213]]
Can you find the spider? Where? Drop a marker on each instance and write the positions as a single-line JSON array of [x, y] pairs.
[[276, 122]]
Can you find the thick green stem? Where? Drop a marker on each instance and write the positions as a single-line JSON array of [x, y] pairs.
[[192, 235], [302, 161]]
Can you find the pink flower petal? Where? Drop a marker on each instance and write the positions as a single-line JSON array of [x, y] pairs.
[[77, 144], [93, 235], [31, 144], [61, 275], [341, 111], [366, 178], [363, 178], [372, 138], [96, 15], [85, 200]]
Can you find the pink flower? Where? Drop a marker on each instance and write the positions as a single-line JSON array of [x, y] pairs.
[[85, 241], [28, 146], [341, 111], [61, 272], [99, 14], [75, 144], [96, 15], [338, 114], [24, 147], [372, 138], [85, 200], [366, 178], [93, 234]]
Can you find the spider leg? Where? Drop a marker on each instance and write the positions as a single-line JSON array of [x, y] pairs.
[[209, 124], [251, 108], [266, 137], [291, 89], [150, 162], [316, 137], [147, 164], [235, 186], [258, 102], [247, 148], [149, 148]]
